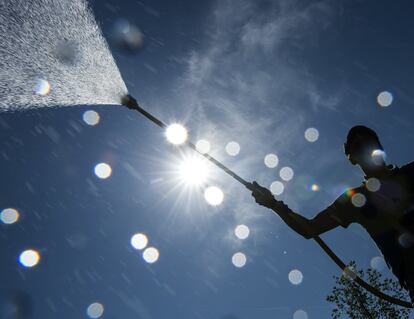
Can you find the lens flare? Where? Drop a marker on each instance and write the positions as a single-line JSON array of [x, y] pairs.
[[214, 195], [385, 99], [286, 173], [295, 277], [95, 310], [271, 160], [29, 258], [151, 255], [203, 146], [91, 117], [242, 231], [193, 171], [239, 260], [42, 87], [103, 170], [358, 200], [277, 188], [139, 241], [311, 134], [315, 187], [9, 216], [233, 148], [373, 184], [176, 134], [300, 314]]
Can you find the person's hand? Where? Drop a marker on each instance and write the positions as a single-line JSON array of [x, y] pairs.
[[262, 195]]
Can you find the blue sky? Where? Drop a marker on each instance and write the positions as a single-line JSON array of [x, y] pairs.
[[256, 72]]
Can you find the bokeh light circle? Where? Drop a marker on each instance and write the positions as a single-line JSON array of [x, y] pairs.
[[103, 170], [176, 134], [373, 184], [295, 277], [139, 241], [9, 216], [91, 117], [127, 36], [385, 99], [349, 273], [277, 188], [271, 160], [378, 263], [42, 87], [300, 314], [286, 173], [315, 187], [29, 258], [203, 146], [95, 310], [239, 259], [214, 195], [311, 134], [358, 200], [233, 148], [242, 231], [151, 255], [406, 240]]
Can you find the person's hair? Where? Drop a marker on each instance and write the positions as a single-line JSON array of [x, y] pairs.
[[360, 132]]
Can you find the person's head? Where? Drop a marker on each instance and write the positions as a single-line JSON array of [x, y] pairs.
[[363, 147]]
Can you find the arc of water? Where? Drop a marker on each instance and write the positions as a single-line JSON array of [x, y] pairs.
[[53, 53]]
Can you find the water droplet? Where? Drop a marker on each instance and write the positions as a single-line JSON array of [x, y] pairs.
[[139, 241], [295, 277], [300, 314], [29, 258], [358, 200], [42, 87], [311, 134], [214, 195], [239, 259], [378, 263], [95, 310], [286, 173], [277, 188], [91, 117], [271, 160], [373, 184], [103, 170], [385, 99], [242, 231], [9, 216], [151, 255], [233, 148], [203, 146]]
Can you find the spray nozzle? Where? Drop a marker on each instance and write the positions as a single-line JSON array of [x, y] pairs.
[[128, 101]]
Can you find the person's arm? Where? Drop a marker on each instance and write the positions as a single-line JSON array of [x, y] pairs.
[[308, 228]]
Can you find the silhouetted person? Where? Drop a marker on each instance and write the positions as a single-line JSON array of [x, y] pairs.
[[383, 205]]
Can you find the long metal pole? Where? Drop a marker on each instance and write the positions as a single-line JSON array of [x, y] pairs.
[[132, 104]]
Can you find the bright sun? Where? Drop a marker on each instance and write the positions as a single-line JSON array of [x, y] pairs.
[[193, 171]]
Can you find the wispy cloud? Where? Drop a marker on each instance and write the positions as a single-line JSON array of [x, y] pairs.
[[244, 82]]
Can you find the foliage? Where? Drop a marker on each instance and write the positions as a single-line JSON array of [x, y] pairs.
[[354, 302]]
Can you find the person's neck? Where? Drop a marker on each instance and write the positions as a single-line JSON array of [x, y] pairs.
[[378, 172]]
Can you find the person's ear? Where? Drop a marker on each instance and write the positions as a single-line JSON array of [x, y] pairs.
[[351, 160]]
